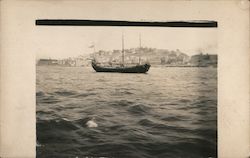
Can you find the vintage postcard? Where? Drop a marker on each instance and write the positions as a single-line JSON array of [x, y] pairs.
[[123, 79]]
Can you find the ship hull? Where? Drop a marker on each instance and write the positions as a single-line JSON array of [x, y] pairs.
[[132, 69]]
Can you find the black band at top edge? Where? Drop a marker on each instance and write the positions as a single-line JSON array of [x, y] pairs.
[[77, 22]]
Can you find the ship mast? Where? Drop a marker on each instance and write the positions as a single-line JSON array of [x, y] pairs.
[[140, 49], [140, 40], [122, 49]]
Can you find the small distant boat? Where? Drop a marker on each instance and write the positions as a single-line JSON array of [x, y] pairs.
[[122, 68]]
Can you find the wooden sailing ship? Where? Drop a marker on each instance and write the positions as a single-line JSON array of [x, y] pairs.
[[122, 68]]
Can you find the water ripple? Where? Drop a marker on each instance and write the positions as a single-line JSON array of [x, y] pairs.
[[169, 112]]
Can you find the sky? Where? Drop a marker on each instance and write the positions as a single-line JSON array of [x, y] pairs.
[[72, 41]]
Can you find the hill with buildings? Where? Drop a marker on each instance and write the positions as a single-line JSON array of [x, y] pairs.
[[135, 55]]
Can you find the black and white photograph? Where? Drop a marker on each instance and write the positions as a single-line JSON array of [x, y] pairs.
[[126, 91]]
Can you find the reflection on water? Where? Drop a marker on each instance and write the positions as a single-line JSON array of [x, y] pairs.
[[169, 112]]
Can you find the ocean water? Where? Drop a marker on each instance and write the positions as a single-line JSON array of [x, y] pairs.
[[168, 112]]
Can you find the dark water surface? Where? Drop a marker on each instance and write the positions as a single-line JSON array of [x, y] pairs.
[[169, 112]]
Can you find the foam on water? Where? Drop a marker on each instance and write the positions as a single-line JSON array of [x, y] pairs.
[[92, 124]]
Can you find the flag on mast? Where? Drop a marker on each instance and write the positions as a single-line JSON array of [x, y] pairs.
[[91, 46]]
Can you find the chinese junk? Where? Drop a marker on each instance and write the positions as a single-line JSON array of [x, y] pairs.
[[122, 68]]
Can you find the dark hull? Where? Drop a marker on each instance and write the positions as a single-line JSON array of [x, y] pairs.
[[133, 69]]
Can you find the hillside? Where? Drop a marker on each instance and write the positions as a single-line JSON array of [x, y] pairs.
[[153, 55]]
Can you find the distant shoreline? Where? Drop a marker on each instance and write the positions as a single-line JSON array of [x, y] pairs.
[[167, 66]]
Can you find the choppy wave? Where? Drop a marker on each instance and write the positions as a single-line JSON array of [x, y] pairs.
[[137, 116]]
